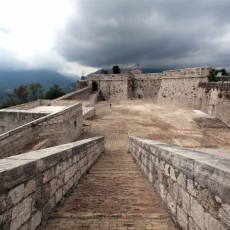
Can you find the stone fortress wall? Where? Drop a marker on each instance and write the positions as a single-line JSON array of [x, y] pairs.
[[61, 126], [179, 87], [193, 186], [216, 104], [175, 87], [34, 183], [11, 119]]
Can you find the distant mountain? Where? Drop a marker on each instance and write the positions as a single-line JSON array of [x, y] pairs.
[[10, 79]]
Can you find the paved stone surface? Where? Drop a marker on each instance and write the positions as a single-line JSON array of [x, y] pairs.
[[115, 194]]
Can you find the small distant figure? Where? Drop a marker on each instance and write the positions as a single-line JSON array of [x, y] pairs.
[[110, 105]]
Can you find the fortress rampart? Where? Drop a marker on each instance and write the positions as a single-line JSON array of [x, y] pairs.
[[61, 126], [179, 87], [34, 183], [194, 186], [81, 94]]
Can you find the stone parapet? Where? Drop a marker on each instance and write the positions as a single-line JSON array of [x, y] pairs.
[[194, 186], [34, 183], [81, 94], [61, 127]]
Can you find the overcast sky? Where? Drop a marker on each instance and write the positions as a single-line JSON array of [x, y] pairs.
[[72, 36]]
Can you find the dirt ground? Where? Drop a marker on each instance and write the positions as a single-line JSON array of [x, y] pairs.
[[169, 124]]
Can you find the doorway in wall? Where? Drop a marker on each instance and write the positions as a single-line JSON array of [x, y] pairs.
[[95, 86]]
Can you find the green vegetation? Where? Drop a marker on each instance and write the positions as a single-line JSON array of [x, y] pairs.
[[54, 92], [213, 72], [116, 69], [31, 92]]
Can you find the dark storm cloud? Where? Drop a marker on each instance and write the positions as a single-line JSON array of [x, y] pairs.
[[166, 33]]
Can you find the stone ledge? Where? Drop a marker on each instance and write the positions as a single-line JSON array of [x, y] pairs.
[[193, 185], [34, 183]]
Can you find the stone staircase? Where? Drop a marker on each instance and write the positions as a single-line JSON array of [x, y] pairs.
[[114, 194]]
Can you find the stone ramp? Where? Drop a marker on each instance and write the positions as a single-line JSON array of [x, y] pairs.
[[113, 195], [111, 222]]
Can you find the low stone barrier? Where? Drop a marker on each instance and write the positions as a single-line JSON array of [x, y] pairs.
[[81, 94], [194, 186], [61, 127], [34, 183], [88, 112]]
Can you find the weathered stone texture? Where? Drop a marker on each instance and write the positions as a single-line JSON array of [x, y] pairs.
[[215, 106], [194, 186], [34, 183], [59, 128], [179, 87]]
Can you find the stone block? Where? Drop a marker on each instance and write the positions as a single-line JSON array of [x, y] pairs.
[[173, 190], [191, 187], [207, 200], [197, 212], [36, 220], [15, 172], [163, 192], [5, 220], [53, 186], [185, 200], [67, 186], [214, 177], [15, 195], [224, 214], [182, 163], [172, 173], [171, 203], [63, 166], [30, 187], [58, 195], [182, 218], [2, 203], [167, 169], [57, 170], [212, 224], [48, 175], [21, 213], [181, 180], [47, 208], [45, 193], [150, 177], [192, 225]]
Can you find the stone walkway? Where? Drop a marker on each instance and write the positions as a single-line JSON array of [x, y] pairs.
[[114, 194]]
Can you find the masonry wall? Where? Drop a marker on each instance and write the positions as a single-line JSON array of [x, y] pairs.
[[34, 183], [180, 87], [112, 86], [216, 104], [11, 119], [89, 112], [81, 94], [193, 186], [145, 86], [61, 127]]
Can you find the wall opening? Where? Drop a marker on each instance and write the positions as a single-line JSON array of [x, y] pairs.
[[95, 86]]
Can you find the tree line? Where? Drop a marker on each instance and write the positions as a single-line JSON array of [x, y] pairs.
[[213, 73], [26, 93]]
